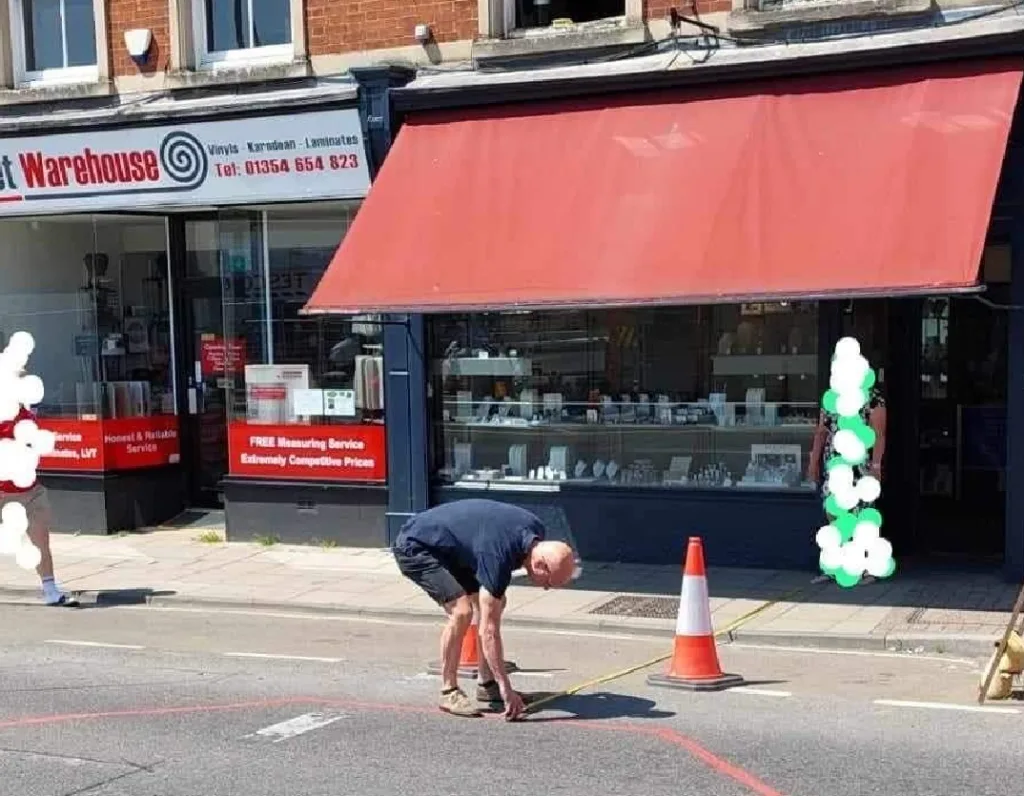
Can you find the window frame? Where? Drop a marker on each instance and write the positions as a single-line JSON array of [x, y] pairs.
[[247, 56], [68, 75]]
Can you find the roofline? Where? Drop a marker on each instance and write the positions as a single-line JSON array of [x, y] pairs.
[[583, 83]]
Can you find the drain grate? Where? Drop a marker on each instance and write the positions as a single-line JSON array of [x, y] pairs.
[[644, 607]]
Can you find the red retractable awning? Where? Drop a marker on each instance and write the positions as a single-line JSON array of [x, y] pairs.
[[873, 184]]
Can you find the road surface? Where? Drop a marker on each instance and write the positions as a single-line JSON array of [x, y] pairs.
[[143, 701]]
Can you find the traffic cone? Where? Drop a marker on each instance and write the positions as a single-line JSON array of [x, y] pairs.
[[469, 657], [695, 665]]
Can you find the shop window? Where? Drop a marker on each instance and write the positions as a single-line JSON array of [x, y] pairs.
[[541, 13], [717, 397], [54, 40], [243, 30], [309, 404], [94, 294]]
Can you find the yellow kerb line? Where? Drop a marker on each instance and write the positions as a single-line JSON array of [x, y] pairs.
[[607, 678]]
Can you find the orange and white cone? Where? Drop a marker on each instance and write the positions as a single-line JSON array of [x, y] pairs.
[[469, 657], [695, 665]]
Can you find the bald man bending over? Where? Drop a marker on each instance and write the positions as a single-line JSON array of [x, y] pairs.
[[462, 555]]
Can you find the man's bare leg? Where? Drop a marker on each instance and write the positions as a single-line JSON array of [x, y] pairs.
[[453, 700], [460, 616]]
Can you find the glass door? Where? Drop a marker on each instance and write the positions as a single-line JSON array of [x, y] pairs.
[[222, 289]]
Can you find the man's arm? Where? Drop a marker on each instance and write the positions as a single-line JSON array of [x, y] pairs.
[[491, 609]]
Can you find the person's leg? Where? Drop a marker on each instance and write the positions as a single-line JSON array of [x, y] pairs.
[[426, 571], [37, 507]]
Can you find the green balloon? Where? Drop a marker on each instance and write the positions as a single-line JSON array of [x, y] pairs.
[[832, 507], [852, 424], [874, 516], [846, 580], [867, 435], [834, 461], [828, 401], [869, 380], [845, 524]]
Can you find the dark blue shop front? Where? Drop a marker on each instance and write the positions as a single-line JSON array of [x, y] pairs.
[[632, 427]]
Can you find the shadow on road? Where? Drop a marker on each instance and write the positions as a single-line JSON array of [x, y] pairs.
[[594, 707]]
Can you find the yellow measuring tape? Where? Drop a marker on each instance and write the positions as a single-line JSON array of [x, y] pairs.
[[607, 678]]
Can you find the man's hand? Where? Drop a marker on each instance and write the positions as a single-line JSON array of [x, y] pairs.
[[514, 705]]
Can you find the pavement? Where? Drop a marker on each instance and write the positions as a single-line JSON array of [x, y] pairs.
[[943, 612], [179, 700]]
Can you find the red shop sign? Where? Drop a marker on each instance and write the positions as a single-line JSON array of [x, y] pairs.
[[317, 453], [79, 444], [217, 356], [134, 442], [125, 444]]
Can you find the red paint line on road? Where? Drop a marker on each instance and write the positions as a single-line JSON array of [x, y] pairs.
[[665, 734]]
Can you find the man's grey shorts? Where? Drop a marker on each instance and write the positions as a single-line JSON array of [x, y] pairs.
[[442, 581]]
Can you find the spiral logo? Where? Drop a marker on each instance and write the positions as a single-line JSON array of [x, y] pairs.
[[184, 159]]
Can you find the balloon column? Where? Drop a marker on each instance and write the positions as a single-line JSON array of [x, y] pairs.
[[851, 544], [22, 442]]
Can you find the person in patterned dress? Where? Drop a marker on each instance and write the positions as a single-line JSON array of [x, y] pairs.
[[873, 414]]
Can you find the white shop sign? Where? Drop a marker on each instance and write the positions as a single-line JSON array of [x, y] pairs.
[[240, 161]]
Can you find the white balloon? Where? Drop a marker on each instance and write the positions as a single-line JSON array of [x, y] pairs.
[[846, 497], [28, 555], [25, 431], [10, 540], [849, 446], [45, 442], [31, 390], [847, 347], [880, 548], [868, 489], [9, 457], [9, 407], [22, 342], [866, 534], [878, 565], [831, 558], [854, 560], [828, 536], [14, 516], [840, 474], [24, 477], [849, 404]]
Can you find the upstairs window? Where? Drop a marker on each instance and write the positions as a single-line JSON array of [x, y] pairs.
[[541, 13], [54, 40], [243, 30]]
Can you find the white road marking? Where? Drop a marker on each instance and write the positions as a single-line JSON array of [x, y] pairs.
[[271, 657], [903, 656], [300, 725], [75, 643], [744, 689], [899, 703]]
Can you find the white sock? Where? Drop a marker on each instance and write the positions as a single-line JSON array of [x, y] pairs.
[[51, 593]]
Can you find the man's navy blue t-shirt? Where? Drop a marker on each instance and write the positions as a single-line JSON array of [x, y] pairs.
[[488, 538]]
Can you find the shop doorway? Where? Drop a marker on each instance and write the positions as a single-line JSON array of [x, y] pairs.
[[962, 426], [220, 254]]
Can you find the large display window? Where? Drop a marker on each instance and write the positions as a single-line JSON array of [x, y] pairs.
[[305, 392], [93, 291], [718, 396]]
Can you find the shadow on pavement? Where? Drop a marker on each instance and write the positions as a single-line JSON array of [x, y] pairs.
[[120, 597]]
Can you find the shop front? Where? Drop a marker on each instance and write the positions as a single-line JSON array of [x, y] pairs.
[[161, 268], [625, 306]]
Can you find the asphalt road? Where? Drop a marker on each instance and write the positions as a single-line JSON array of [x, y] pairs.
[[192, 702]]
